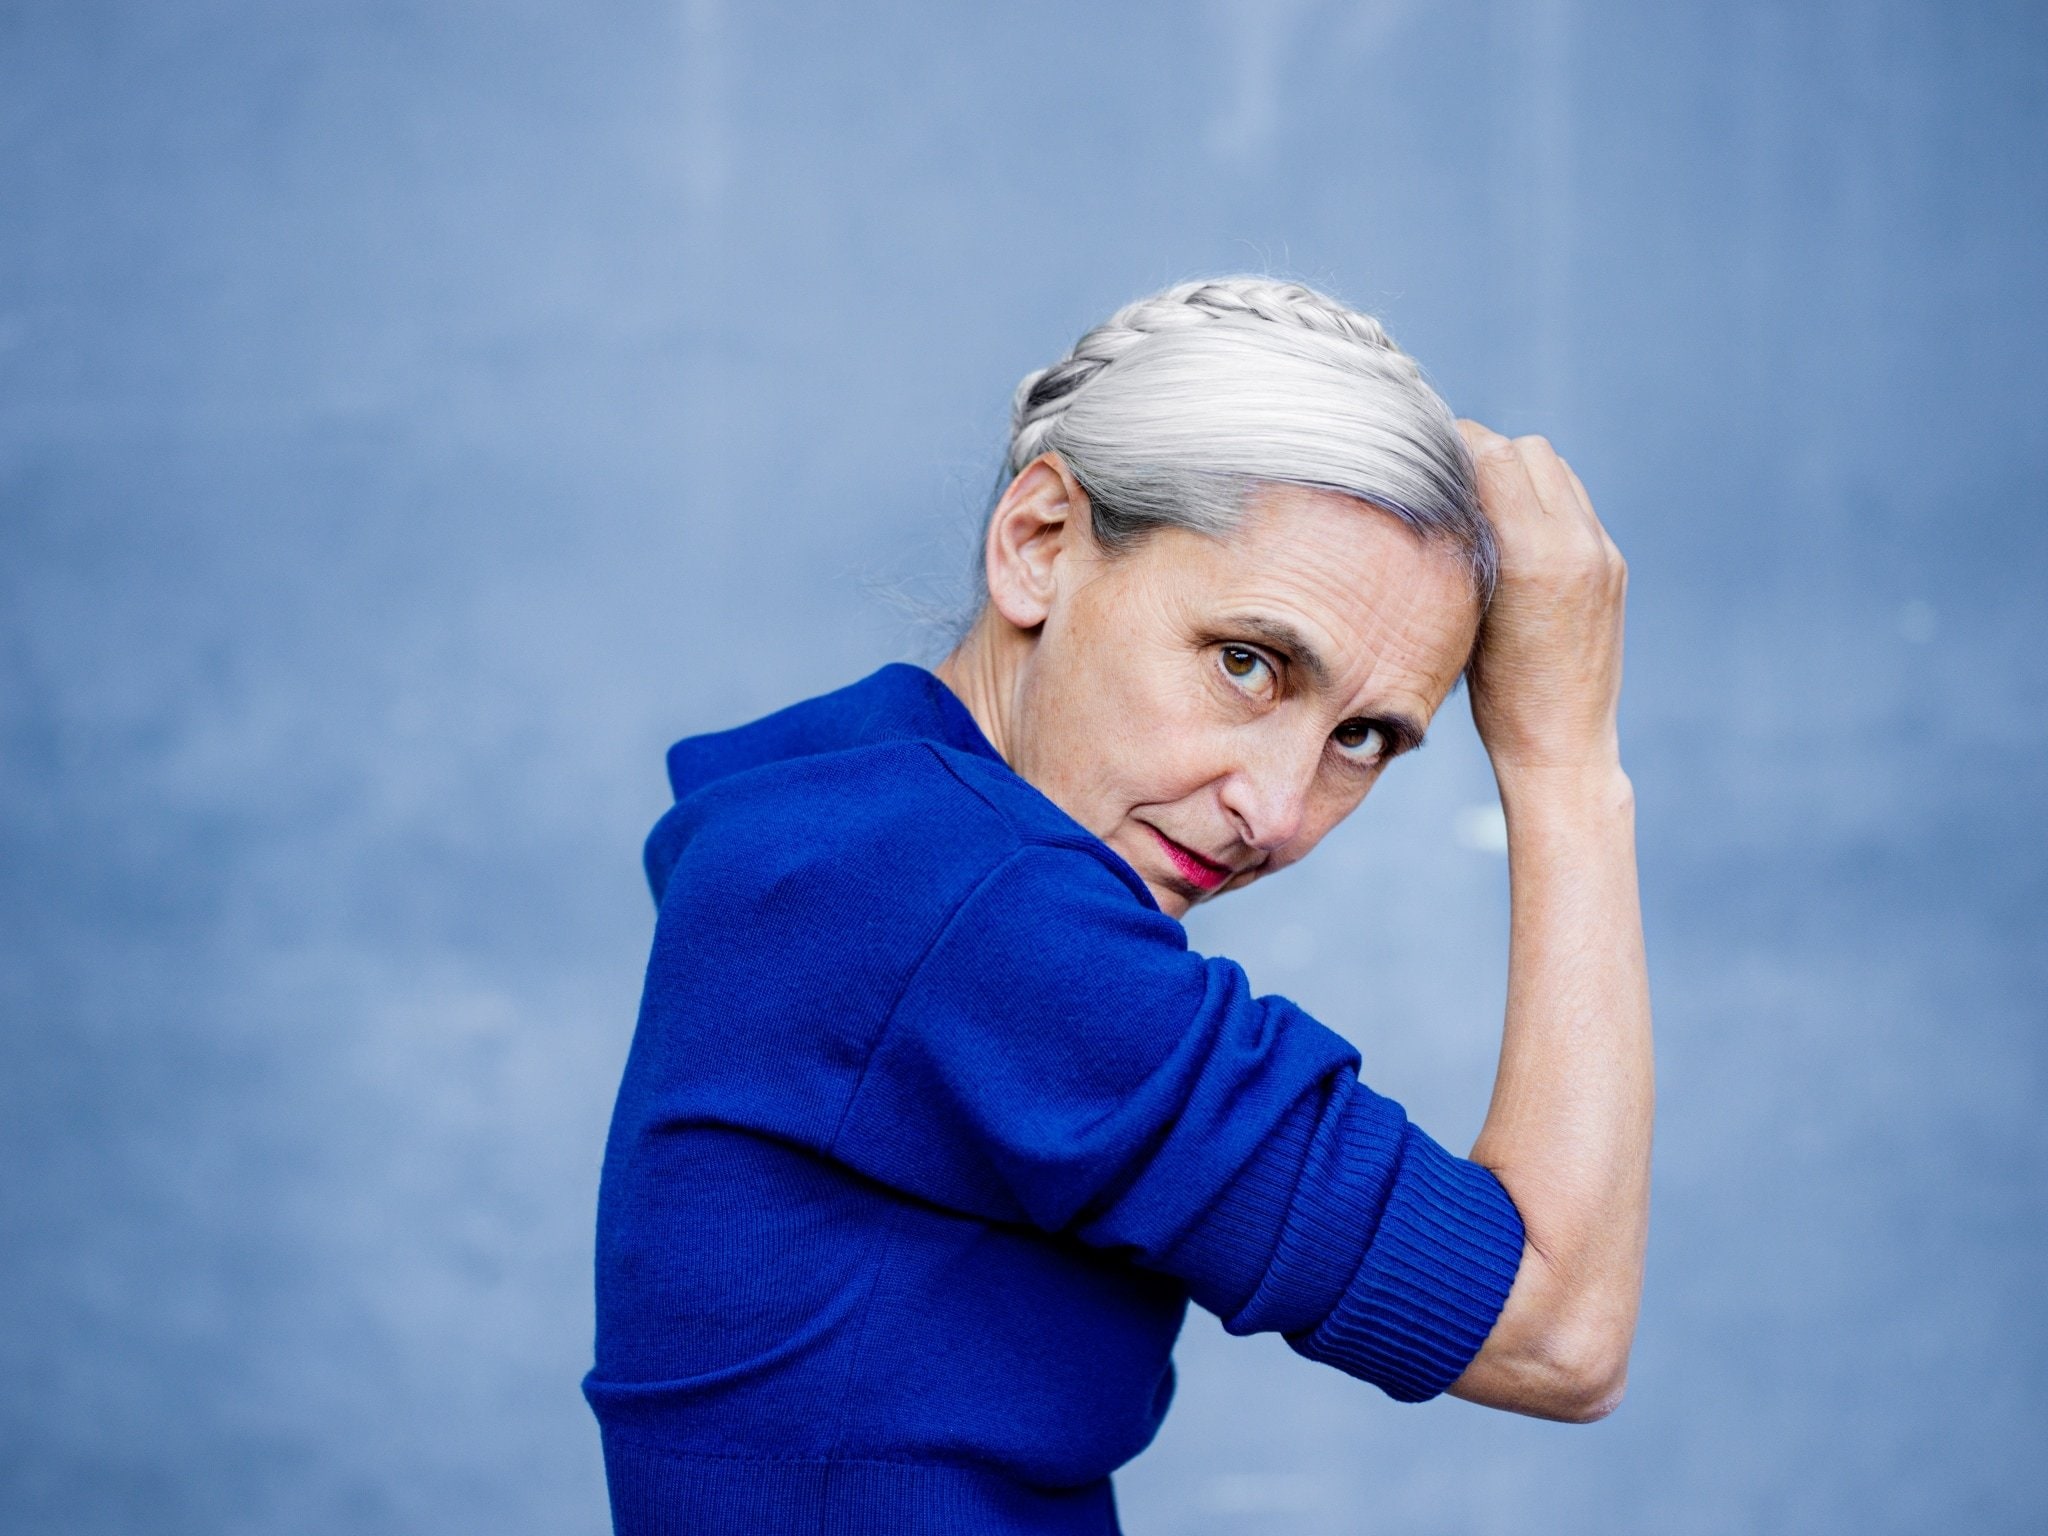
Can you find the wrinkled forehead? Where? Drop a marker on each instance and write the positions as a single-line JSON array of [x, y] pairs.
[[1375, 606]]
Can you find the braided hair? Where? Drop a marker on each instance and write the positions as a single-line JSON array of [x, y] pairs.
[[1171, 410]]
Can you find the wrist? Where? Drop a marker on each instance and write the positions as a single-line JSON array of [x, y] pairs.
[[1595, 781]]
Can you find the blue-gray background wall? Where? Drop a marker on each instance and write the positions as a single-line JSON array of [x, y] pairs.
[[412, 417]]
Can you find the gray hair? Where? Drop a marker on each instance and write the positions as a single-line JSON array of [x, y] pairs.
[[1170, 412]]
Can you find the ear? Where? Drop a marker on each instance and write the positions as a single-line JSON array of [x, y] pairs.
[[1042, 516]]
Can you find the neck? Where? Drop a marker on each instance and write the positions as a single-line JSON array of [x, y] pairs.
[[983, 671]]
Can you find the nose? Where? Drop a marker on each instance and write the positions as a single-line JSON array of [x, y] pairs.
[[1266, 794]]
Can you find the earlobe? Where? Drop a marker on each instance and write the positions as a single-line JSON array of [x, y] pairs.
[[1034, 524]]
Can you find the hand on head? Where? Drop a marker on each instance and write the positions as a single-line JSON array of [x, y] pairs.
[[1546, 679]]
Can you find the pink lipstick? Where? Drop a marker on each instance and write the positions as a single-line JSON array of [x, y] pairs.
[[1203, 874]]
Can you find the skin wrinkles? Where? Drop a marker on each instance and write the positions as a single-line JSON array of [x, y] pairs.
[[1109, 694]]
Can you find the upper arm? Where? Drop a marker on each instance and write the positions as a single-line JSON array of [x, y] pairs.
[[1057, 1044], [1059, 1058]]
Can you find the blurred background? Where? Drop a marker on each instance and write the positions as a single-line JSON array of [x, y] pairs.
[[414, 417]]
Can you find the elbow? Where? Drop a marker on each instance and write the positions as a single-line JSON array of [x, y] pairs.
[[1595, 1398], [1560, 1347], [1581, 1344], [1587, 1379], [1569, 1376]]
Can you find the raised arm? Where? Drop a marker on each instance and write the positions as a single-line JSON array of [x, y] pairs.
[[1568, 1130]]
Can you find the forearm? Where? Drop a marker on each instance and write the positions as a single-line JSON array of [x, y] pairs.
[[1568, 1130]]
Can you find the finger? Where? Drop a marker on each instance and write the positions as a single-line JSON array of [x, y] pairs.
[[1579, 488], [1552, 480], [1477, 435], [1592, 517], [1507, 495]]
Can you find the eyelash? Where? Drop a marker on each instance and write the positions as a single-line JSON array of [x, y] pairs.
[[1233, 648]]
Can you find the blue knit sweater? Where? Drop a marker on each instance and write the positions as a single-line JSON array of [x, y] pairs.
[[931, 1127]]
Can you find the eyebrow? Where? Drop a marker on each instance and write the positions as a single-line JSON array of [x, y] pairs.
[[1403, 733], [1281, 636]]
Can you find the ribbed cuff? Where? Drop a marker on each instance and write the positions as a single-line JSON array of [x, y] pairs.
[[1433, 1281], [1332, 1200]]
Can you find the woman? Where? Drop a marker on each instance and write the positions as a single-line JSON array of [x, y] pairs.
[[933, 1124]]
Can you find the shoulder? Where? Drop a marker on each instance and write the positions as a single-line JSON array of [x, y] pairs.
[[915, 815], [878, 847], [808, 896], [897, 800]]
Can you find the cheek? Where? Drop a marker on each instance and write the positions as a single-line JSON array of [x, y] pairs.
[[1184, 727], [1144, 752], [1108, 738], [1133, 715]]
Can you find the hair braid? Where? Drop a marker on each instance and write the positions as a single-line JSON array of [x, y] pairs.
[[1172, 410], [1042, 396]]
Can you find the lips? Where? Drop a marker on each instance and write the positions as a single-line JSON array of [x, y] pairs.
[[1203, 874]]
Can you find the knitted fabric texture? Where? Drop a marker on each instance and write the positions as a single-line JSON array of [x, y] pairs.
[[931, 1127]]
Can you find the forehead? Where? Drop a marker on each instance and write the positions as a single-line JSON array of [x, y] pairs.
[[1385, 611]]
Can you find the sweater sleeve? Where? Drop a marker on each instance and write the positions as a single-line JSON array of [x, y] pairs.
[[1060, 1058]]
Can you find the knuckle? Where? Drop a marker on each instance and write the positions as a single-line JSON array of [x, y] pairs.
[[1587, 548]]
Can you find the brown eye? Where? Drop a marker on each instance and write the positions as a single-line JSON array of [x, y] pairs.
[[1360, 738], [1246, 668]]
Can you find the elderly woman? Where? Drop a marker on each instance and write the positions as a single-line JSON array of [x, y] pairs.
[[933, 1124]]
